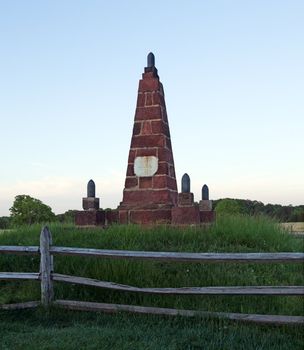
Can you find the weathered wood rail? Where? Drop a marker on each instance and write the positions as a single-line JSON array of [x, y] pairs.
[[181, 257], [260, 290], [46, 276]]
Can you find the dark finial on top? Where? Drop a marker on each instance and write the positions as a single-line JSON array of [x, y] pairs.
[[91, 189], [185, 183], [205, 193], [151, 60]]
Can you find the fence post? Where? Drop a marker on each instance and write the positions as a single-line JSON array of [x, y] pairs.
[[46, 267]]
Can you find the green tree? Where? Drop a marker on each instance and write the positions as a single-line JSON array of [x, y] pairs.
[[229, 206], [27, 211], [297, 214], [4, 222]]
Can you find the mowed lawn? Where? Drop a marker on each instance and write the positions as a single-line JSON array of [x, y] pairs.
[[62, 329]]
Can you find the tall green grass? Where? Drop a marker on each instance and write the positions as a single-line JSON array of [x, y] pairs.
[[59, 329], [229, 234]]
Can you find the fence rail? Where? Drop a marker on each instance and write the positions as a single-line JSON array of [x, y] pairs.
[[47, 277], [181, 257], [161, 256], [19, 276], [16, 249], [260, 290], [113, 308]]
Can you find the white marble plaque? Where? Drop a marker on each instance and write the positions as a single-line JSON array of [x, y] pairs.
[[145, 166]]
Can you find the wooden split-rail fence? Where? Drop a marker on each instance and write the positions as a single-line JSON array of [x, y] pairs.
[[47, 276]]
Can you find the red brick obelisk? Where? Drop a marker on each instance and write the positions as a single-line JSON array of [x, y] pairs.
[[150, 187]]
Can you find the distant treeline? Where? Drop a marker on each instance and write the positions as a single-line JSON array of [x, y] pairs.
[[282, 213], [6, 222]]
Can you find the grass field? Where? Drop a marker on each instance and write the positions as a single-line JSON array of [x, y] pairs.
[[3, 231], [62, 329], [31, 330]]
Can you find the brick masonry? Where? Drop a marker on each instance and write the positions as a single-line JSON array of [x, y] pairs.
[[205, 205], [90, 218], [150, 192], [207, 216], [188, 212], [185, 199], [89, 203], [188, 215], [149, 199]]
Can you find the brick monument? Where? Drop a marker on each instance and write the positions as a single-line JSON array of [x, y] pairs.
[[206, 213], [150, 193], [186, 212], [91, 214], [150, 189]]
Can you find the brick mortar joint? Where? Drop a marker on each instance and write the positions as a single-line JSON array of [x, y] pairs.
[[153, 134], [149, 120], [150, 189]]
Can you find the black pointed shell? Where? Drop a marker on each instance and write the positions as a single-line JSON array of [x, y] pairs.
[[205, 192], [185, 183], [151, 60], [91, 189]]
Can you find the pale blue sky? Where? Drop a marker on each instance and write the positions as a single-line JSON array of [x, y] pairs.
[[233, 75]]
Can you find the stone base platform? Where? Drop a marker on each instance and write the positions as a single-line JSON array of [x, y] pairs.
[[207, 217], [111, 217], [90, 218], [96, 217], [166, 216], [145, 216], [186, 215]]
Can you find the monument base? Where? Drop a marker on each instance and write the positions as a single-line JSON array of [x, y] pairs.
[[145, 216], [111, 217], [185, 199], [205, 205], [207, 217], [186, 215], [90, 218], [89, 203]]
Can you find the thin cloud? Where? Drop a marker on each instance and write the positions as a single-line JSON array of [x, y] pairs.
[[63, 193]]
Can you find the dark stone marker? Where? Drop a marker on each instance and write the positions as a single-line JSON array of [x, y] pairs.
[[185, 183], [91, 189], [151, 60], [205, 192]]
